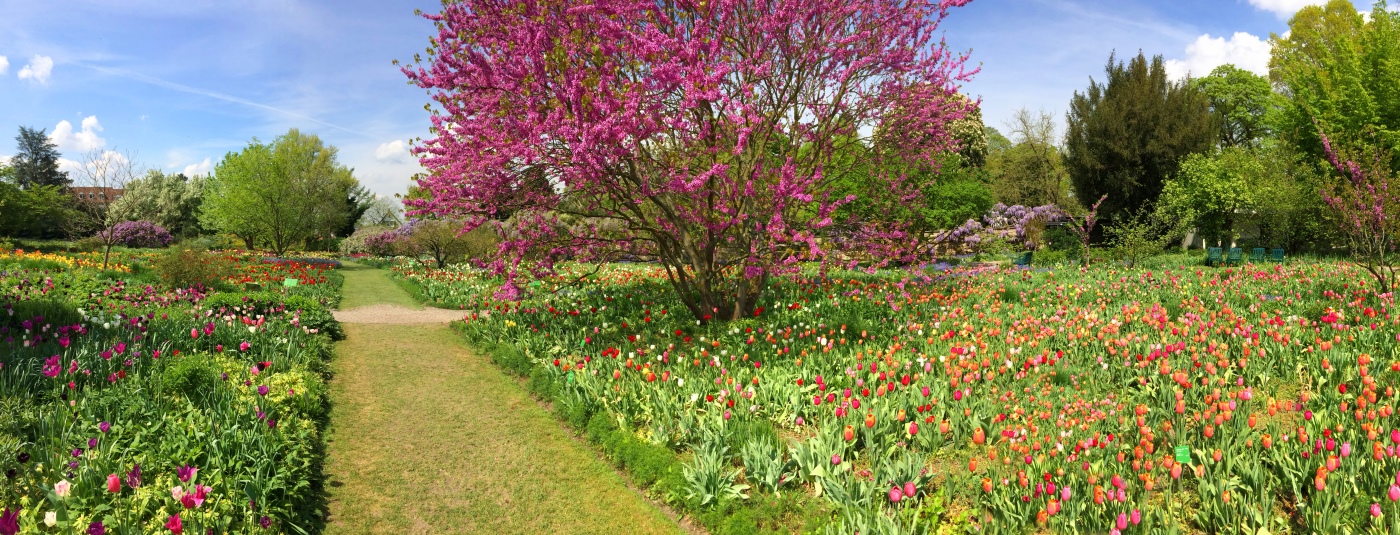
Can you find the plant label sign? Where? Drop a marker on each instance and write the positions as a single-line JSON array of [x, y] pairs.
[[290, 283], [1183, 454]]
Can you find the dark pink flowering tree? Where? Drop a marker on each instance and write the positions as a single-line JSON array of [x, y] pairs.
[[1365, 207], [697, 133]]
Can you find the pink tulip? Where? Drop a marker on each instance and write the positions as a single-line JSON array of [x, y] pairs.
[[1136, 517], [896, 495], [1346, 449], [835, 459], [910, 489], [114, 483], [1375, 509], [1394, 494], [1122, 522], [1395, 436]]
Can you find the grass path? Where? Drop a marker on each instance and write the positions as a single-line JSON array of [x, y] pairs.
[[368, 286], [427, 437]]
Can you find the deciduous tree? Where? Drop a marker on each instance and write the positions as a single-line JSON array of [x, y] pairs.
[[1340, 69], [281, 193], [700, 134], [1242, 102]]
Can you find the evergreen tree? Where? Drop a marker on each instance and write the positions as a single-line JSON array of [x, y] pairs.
[[36, 163], [1127, 134]]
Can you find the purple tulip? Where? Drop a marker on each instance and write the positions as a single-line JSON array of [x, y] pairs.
[[104, 427], [835, 459], [186, 472], [262, 390]]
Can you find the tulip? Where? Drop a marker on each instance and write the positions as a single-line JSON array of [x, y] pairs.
[[1136, 517], [910, 489], [835, 459], [51, 518], [896, 495], [1346, 450], [979, 436], [63, 488], [1122, 522], [173, 524], [9, 522], [913, 429], [1375, 509], [849, 434], [114, 483], [1394, 493]]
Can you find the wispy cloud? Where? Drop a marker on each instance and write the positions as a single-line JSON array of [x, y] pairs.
[[124, 73], [1079, 11]]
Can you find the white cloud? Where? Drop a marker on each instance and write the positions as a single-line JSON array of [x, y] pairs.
[[4, 64], [84, 140], [1243, 50], [199, 169], [38, 69], [393, 151], [1284, 8]]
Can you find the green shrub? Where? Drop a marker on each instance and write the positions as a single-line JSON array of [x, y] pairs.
[[193, 376], [1049, 257], [183, 267]]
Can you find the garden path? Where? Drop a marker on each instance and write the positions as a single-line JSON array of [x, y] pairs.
[[427, 436]]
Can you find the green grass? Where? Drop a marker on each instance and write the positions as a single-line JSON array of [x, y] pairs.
[[368, 286], [429, 437]]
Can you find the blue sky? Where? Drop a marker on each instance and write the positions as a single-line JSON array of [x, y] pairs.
[[181, 83]]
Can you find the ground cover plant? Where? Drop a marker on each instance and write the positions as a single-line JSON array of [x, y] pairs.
[[1177, 398], [137, 408]]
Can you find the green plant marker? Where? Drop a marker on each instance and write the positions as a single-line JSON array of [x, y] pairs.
[[290, 282], [571, 377], [1183, 454]]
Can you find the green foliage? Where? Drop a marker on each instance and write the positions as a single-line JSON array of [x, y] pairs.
[[184, 267], [169, 200], [1267, 186], [193, 376], [1242, 102], [1127, 134], [1031, 172], [1340, 70], [442, 240], [35, 163], [40, 212], [1141, 234], [281, 193]]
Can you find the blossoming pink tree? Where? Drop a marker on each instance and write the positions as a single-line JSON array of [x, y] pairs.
[[1366, 209], [697, 133]]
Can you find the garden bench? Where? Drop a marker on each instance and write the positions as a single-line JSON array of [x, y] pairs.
[[1236, 256], [1278, 255], [1023, 259], [1258, 254], [1213, 256]]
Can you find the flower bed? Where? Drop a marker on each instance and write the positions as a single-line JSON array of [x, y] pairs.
[[1217, 400], [128, 409]]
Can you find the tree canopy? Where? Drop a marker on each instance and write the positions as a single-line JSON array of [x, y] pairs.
[[1127, 134], [35, 161], [281, 194], [702, 135], [1341, 73], [1242, 102], [169, 200]]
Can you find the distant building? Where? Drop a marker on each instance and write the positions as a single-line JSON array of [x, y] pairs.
[[97, 195]]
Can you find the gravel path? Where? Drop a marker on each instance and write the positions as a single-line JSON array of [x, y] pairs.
[[396, 315]]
